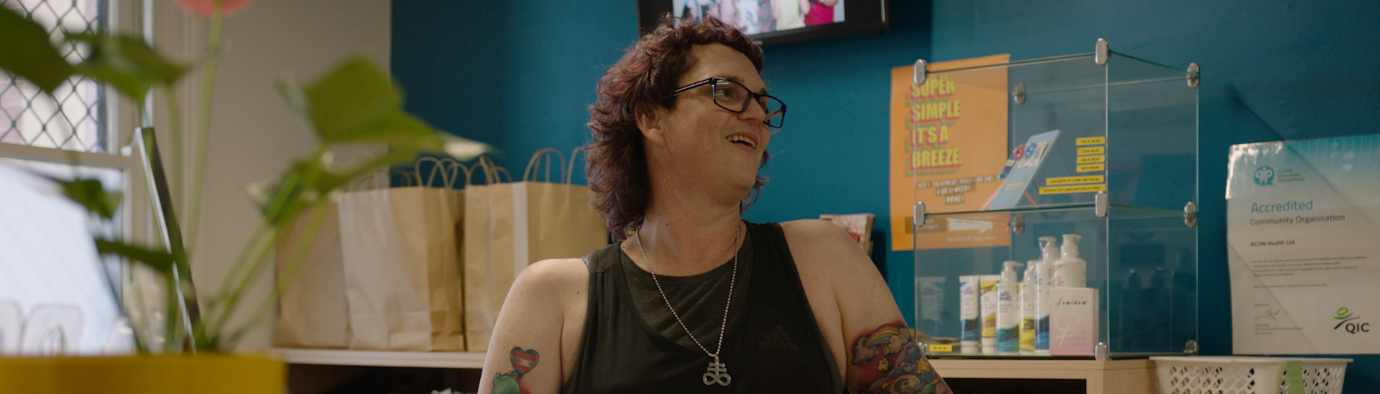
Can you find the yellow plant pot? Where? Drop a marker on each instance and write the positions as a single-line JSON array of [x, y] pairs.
[[210, 374]]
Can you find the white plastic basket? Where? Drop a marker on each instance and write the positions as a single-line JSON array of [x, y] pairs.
[[1247, 375]]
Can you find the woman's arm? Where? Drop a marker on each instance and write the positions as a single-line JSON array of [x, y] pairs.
[[882, 354], [531, 348]]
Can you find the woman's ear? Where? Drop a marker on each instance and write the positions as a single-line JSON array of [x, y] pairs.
[[649, 121]]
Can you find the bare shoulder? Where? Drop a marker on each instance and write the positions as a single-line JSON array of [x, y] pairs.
[[548, 284], [823, 245], [554, 275]]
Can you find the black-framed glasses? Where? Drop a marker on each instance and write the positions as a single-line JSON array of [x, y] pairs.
[[733, 96]]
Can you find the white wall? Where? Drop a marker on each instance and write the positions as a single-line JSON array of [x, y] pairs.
[[253, 134]]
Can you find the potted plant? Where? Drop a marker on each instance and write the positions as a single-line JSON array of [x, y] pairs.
[[353, 103]]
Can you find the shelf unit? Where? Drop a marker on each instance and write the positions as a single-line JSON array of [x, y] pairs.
[[372, 358], [312, 371], [1102, 376]]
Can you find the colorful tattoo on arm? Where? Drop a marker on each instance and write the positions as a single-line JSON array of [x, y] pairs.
[[511, 383], [890, 361]]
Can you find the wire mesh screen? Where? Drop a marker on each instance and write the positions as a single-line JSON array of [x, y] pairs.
[[75, 116]]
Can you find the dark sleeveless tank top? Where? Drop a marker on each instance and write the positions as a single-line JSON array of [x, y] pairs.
[[772, 342]]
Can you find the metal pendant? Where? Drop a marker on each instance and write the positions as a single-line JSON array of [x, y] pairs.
[[718, 373]]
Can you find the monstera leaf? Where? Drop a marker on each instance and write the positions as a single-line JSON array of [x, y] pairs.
[[29, 54]]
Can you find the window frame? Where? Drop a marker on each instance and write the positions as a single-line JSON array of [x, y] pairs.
[[136, 219]]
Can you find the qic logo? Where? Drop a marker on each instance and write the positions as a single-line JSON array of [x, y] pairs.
[[1264, 176], [1349, 322]]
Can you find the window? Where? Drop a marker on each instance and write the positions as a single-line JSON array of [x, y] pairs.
[[75, 132], [75, 117]]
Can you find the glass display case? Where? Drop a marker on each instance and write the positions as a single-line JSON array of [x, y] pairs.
[[1102, 145]]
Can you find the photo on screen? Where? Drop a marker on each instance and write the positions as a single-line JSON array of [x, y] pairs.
[[770, 22], [762, 16]]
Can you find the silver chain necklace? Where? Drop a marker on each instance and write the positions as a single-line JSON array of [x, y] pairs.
[[718, 371]]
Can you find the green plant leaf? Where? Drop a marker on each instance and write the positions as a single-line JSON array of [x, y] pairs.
[[351, 95], [399, 130], [90, 194], [281, 199], [332, 181], [29, 54], [159, 260], [127, 63], [357, 103]]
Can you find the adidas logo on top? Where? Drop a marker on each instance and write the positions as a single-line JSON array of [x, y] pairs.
[[778, 338]]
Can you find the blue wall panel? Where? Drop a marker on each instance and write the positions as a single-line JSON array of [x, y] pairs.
[[448, 57], [559, 49]]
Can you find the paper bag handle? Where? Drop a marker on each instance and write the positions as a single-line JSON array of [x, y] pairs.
[[449, 169], [530, 174], [570, 169], [491, 171], [407, 177]]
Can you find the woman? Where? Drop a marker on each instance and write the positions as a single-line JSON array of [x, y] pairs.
[[691, 298]]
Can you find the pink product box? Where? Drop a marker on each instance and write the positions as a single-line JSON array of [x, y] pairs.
[[1073, 321]]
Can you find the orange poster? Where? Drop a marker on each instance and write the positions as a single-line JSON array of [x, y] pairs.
[[948, 144]]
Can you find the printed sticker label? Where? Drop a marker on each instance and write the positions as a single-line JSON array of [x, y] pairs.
[[1092, 159], [1091, 167], [1073, 180], [1073, 189], [1091, 141]]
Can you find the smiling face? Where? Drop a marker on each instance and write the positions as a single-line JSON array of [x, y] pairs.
[[703, 143]]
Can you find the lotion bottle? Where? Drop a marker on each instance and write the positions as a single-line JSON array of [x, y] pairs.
[[1070, 270], [987, 297], [969, 314], [1008, 309], [1027, 330], [1044, 281]]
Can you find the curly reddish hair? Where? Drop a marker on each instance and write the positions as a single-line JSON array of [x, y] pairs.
[[645, 76]]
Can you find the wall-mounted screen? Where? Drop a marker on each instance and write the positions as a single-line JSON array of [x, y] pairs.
[[775, 21]]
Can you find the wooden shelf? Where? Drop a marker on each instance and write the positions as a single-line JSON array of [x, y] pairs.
[[461, 360], [1103, 377]]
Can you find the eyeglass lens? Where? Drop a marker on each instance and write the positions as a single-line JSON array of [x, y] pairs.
[[735, 97]]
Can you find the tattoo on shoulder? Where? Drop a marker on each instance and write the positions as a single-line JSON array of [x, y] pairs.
[[890, 361], [511, 383]]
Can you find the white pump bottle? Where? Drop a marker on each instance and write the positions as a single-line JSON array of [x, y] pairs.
[[1070, 270]]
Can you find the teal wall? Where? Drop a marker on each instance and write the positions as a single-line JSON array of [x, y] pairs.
[[519, 74]]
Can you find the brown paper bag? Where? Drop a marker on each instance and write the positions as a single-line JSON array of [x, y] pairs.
[[511, 225], [312, 311], [312, 307], [402, 265]]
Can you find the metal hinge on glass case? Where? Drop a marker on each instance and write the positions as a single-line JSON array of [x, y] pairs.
[[1018, 93], [1018, 224], [1194, 72], [1104, 50], [919, 77], [1100, 204], [1100, 351], [1191, 347], [1191, 214], [919, 220]]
